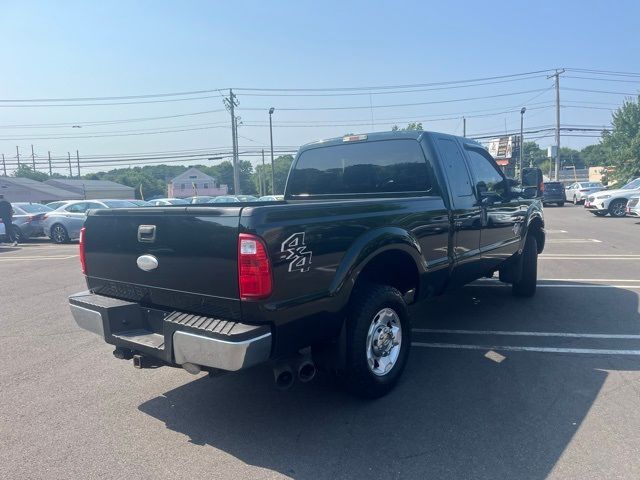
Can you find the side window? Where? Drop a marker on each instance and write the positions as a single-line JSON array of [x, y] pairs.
[[205, 185], [91, 205], [77, 208], [486, 175], [455, 168]]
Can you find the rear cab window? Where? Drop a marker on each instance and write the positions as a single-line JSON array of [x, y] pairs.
[[360, 168]]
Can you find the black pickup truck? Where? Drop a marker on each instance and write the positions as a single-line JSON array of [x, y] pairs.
[[369, 224]]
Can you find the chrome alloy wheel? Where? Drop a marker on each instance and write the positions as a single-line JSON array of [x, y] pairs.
[[384, 341]]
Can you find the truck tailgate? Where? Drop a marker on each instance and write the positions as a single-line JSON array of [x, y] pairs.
[[190, 258]]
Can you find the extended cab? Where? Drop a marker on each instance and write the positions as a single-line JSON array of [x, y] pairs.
[[368, 224]]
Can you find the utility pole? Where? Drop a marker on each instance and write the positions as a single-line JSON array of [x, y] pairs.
[[70, 171], [464, 127], [78, 162], [557, 82], [230, 103], [273, 175], [33, 159], [4, 165], [263, 176], [18, 155], [49, 155]]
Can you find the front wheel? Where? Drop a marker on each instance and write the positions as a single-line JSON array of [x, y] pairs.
[[525, 286], [561, 204], [598, 214], [618, 208], [378, 340]]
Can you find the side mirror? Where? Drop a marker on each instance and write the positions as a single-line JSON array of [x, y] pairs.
[[532, 179]]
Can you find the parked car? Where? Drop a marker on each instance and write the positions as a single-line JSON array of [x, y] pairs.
[[246, 198], [57, 204], [579, 191], [199, 199], [63, 224], [612, 202], [426, 212], [633, 206], [553, 193], [224, 199], [140, 203], [27, 220], [163, 202], [271, 198]]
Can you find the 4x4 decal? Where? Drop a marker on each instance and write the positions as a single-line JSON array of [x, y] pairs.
[[295, 251]]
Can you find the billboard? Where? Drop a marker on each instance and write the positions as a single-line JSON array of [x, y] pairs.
[[504, 148]]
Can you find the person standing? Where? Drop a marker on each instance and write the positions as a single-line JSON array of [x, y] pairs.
[[6, 212]]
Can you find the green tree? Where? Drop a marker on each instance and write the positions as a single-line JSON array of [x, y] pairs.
[[223, 173], [410, 126], [25, 171], [533, 154], [594, 155], [622, 144], [281, 170]]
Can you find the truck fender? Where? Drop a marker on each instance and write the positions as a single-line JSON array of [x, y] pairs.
[[535, 221], [368, 246]]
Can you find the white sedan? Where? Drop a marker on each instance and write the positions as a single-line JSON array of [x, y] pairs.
[[579, 191]]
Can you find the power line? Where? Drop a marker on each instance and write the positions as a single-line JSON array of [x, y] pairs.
[[109, 122], [389, 92], [107, 104], [392, 87], [359, 107]]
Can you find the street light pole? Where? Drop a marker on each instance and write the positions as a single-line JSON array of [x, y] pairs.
[[273, 176], [522, 110]]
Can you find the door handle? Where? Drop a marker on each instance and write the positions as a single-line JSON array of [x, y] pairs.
[[147, 233], [457, 223]]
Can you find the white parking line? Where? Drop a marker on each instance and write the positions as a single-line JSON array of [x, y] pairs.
[[528, 334], [10, 259], [500, 285], [573, 240], [588, 257], [556, 231], [513, 348]]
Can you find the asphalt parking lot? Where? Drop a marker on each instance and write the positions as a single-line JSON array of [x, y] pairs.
[[496, 387]]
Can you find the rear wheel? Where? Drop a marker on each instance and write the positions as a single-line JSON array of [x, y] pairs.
[[525, 286], [618, 208], [561, 204], [378, 340], [598, 214], [19, 234], [59, 234]]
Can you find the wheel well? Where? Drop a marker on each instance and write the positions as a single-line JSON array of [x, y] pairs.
[[535, 229], [393, 267]]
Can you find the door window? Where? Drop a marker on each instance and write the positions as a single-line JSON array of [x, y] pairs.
[[77, 208], [487, 176], [455, 168]]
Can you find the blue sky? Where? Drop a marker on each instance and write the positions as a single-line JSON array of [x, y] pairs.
[[77, 49]]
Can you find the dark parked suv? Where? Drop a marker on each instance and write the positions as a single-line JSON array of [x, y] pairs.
[[553, 193]]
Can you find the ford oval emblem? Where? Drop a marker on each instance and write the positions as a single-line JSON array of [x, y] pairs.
[[147, 262]]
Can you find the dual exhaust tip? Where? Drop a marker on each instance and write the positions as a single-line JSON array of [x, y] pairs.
[[285, 374]]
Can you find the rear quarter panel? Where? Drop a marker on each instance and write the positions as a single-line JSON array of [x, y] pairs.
[[318, 248]]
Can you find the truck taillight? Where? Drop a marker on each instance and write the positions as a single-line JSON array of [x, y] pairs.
[[254, 269], [83, 262]]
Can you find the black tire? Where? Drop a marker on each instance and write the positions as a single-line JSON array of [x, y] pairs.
[[526, 284], [618, 208], [561, 204], [19, 234], [368, 301], [59, 234], [598, 214]]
